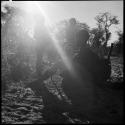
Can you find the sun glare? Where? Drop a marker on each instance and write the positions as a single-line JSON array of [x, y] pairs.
[[32, 7], [56, 43]]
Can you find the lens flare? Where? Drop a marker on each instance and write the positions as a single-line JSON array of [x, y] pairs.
[[32, 7], [61, 52]]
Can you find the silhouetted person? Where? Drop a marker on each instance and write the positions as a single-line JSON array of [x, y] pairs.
[[71, 33], [97, 67], [79, 87]]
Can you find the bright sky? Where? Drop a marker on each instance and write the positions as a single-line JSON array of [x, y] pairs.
[[83, 11]]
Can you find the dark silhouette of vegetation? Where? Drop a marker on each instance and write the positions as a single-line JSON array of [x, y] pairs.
[[105, 21]]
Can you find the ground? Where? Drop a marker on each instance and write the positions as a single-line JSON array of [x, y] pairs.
[[22, 105]]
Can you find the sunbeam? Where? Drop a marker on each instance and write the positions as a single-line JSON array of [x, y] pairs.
[[62, 54]]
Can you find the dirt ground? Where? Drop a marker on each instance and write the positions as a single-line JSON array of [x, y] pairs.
[[22, 105]]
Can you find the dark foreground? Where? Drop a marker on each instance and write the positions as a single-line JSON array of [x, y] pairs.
[[35, 104]]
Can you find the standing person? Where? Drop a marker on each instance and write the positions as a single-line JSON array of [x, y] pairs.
[[79, 86], [86, 58], [71, 30], [98, 67], [71, 35]]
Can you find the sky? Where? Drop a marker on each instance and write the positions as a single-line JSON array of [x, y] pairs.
[[83, 11]]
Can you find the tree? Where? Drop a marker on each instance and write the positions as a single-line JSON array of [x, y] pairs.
[[14, 39], [98, 35], [96, 40], [105, 21]]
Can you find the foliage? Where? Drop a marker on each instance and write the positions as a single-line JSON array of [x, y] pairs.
[[104, 21], [102, 33], [15, 52], [98, 35]]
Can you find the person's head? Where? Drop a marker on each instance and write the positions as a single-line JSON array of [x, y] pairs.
[[72, 21], [82, 37]]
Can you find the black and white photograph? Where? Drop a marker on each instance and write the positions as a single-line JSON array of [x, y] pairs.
[[62, 62]]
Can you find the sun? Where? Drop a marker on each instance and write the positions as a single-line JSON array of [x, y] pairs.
[[34, 7]]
